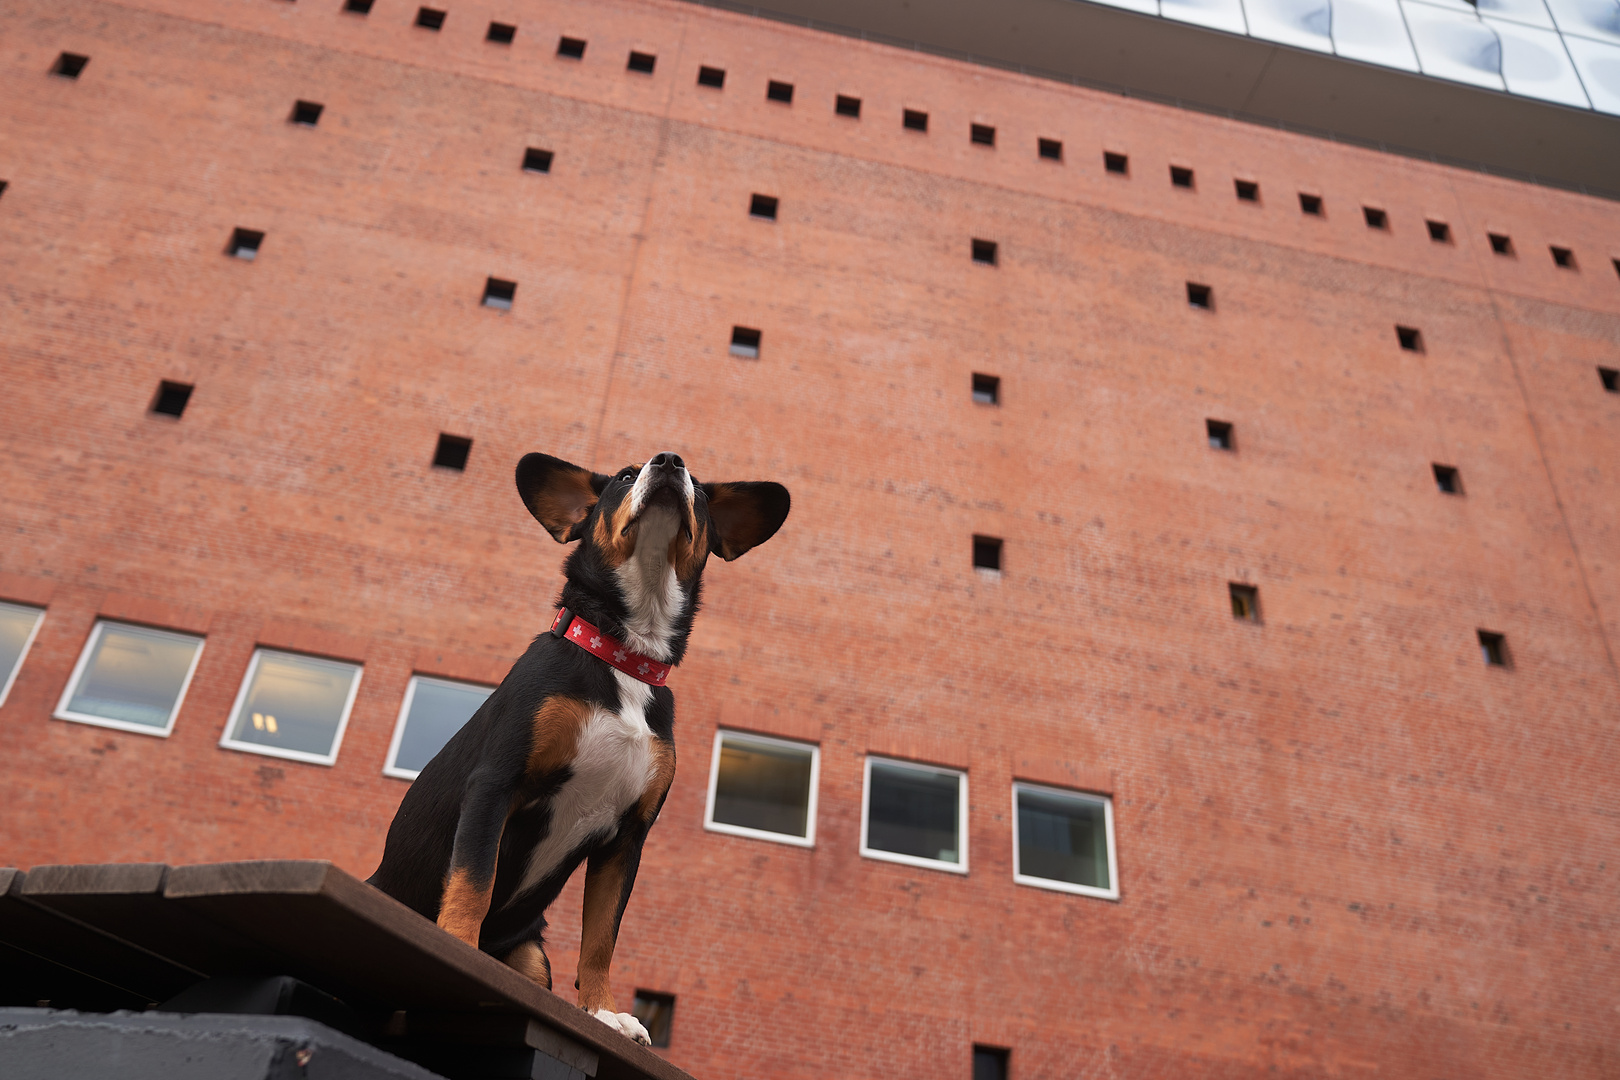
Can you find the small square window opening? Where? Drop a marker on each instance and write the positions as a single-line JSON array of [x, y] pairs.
[[762, 206], [1200, 296], [1376, 218], [1447, 479], [641, 62], [19, 623], [989, 1063], [451, 453], [3, 185], [498, 294], [1501, 243], [1220, 434], [1064, 840], [69, 65], [763, 788], [430, 18], [306, 113], [712, 77], [1050, 149], [844, 105], [433, 711], [1181, 177], [1610, 378], [1563, 257], [501, 33], [132, 678], [745, 342], [1439, 232], [358, 7], [292, 706], [536, 160], [914, 814], [982, 134], [571, 47], [1245, 602], [1116, 163], [987, 553], [1411, 340], [245, 244], [1615, 261], [913, 120], [1310, 204], [1247, 190], [984, 252], [657, 1014], [1493, 647], [986, 389], [779, 91], [171, 398]]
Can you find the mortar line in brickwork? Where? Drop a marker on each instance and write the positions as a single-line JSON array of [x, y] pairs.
[[1541, 448], [629, 291]]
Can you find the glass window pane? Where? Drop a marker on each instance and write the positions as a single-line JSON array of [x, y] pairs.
[[763, 786], [1063, 838], [437, 711], [913, 812], [134, 675], [17, 625], [294, 703]]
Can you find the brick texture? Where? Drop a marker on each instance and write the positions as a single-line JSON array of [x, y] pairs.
[[1346, 847]]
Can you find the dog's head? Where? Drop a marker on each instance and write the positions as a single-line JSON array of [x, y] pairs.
[[648, 529]]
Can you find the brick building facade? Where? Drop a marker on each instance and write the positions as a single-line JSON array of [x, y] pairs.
[[1346, 844]]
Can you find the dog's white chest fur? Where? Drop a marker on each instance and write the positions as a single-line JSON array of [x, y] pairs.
[[612, 767]]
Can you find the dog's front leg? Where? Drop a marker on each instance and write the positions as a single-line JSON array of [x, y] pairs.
[[468, 885], [610, 874]]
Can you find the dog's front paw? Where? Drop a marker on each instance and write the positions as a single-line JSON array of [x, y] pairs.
[[625, 1025]]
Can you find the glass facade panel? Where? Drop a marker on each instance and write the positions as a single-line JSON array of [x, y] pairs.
[[293, 706], [764, 785], [1599, 65], [435, 709], [17, 625], [1535, 64], [914, 811], [131, 675], [1302, 23], [1063, 837], [1455, 45], [1217, 14]]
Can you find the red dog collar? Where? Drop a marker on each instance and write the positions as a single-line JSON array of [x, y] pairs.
[[581, 633]]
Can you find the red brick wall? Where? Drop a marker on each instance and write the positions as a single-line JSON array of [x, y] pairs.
[[1346, 847]]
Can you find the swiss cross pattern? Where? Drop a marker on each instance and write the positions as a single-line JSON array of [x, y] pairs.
[[600, 645]]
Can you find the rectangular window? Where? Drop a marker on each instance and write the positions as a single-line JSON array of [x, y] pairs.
[[1247, 190], [306, 113], [434, 710], [1064, 840], [358, 7], [1439, 231], [1200, 296], [69, 65], [914, 814], [1610, 378], [19, 624], [430, 18], [452, 452], [1376, 218], [745, 342], [1310, 204], [1245, 602], [1493, 647], [1181, 177], [986, 389], [1220, 434], [1563, 257], [1410, 338], [1501, 243], [779, 91], [132, 678], [1050, 149], [913, 120], [499, 294], [984, 252], [571, 48], [764, 788], [171, 398], [292, 706], [762, 206], [536, 160], [245, 244], [1116, 163], [501, 33], [712, 77], [982, 134], [657, 1014], [844, 105], [987, 553], [641, 62], [1448, 479], [989, 1063]]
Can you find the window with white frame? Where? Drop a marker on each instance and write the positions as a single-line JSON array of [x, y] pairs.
[[763, 787], [292, 706], [1064, 840], [132, 678], [914, 814], [18, 625], [433, 711]]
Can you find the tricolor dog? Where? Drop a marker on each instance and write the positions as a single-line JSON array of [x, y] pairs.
[[570, 758]]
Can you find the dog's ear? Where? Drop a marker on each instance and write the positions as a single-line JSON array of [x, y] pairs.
[[558, 494], [744, 515]]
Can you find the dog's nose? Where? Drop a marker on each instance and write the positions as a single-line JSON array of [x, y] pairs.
[[667, 461]]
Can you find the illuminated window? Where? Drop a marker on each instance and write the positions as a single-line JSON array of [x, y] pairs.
[[914, 814], [18, 625], [1064, 840], [764, 788], [434, 710], [132, 678], [292, 706]]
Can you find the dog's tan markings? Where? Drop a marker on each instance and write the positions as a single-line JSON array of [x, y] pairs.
[[663, 764], [604, 895], [610, 535], [687, 555], [464, 905], [530, 961], [556, 727], [563, 502]]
